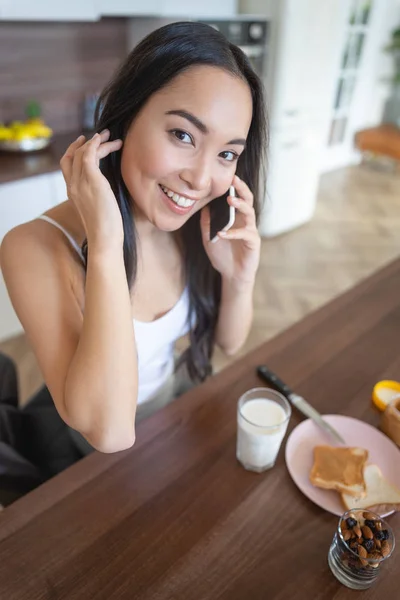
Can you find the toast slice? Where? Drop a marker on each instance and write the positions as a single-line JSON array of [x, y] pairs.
[[340, 469], [381, 496]]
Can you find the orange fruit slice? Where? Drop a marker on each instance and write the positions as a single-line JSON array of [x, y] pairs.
[[384, 392]]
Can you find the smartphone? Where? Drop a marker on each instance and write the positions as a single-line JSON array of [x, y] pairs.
[[222, 215]]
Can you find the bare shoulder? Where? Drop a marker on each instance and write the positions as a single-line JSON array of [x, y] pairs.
[[37, 250]]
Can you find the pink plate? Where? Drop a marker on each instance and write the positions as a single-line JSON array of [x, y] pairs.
[[299, 455]]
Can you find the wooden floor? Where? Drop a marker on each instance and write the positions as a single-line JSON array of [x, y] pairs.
[[356, 230]]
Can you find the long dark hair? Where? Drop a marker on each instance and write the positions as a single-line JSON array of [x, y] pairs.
[[151, 65]]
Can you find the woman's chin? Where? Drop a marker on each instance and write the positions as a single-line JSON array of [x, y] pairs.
[[168, 226]]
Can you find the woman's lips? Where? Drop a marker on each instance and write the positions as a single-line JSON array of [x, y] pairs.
[[178, 210]]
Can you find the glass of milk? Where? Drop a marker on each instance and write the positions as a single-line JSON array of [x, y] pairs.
[[262, 419]]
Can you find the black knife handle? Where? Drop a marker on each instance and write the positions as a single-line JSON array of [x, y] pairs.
[[273, 379]]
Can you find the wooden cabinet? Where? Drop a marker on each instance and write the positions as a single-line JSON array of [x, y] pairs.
[[20, 202], [48, 10]]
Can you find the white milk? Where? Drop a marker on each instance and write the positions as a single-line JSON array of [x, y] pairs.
[[262, 425]]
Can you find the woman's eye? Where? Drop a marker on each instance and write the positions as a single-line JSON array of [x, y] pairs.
[[182, 136], [229, 156]]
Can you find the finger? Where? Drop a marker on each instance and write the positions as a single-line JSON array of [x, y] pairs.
[[108, 147], [247, 235], [68, 158], [205, 224], [90, 159], [104, 135], [82, 157], [243, 190], [245, 209]]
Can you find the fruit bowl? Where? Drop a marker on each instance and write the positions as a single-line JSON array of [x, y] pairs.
[[25, 145]]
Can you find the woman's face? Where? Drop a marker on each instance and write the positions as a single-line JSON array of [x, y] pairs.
[[186, 141]]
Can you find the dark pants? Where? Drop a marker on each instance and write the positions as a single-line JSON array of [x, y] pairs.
[[36, 444], [48, 443]]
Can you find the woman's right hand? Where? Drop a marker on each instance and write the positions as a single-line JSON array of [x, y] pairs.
[[90, 192]]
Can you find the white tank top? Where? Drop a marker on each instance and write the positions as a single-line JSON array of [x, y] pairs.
[[155, 340]]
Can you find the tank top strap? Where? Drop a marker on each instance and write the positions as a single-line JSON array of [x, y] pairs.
[[71, 240]]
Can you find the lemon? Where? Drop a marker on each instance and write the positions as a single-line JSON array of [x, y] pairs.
[[5, 133], [384, 392]]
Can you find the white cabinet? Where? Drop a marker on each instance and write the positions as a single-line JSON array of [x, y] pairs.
[[91, 10], [305, 60], [23, 200], [302, 63], [127, 8], [48, 10], [293, 177], [20, 202], [57, 187], [168, 8], [206, 8]]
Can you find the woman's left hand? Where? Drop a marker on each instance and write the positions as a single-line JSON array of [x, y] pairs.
[[236, 255]]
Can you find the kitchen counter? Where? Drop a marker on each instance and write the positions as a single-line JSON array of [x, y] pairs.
[[14, 167], [177, 517]]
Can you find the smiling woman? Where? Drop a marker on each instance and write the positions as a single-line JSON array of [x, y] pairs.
[[105, 283]]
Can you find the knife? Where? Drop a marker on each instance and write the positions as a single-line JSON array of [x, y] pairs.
[[298, 402]]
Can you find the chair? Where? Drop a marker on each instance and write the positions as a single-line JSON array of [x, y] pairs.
[[8, 381], [17, 474]]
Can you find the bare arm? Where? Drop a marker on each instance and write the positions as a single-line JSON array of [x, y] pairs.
[[101, 384], [236, 256], [235, 317], [88, 361]]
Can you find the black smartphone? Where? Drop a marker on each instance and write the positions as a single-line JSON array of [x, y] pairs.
[[222, 215]]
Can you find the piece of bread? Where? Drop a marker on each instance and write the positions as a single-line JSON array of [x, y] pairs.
[[381, 497], [340, 469]]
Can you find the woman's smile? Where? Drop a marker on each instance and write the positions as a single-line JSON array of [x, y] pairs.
[[180, 205]]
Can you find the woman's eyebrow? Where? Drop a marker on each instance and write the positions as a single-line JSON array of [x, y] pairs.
[[200, 125]]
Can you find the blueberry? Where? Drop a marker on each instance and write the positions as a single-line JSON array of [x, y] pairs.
[[370, 523], [380, 535], [385, 534], [353, 545], [351, 522], [369, 545]]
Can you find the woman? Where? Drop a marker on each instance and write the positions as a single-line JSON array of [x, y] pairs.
[[107, 281]]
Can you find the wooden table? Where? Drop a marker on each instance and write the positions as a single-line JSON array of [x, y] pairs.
[[177, 516]]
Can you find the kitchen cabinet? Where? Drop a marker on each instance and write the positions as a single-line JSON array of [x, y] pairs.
[[127, 8], [293, 178], [58, 188], [168, 8], [306, 60], [206, 8], [303, 55], [20, 202], [48, 10]]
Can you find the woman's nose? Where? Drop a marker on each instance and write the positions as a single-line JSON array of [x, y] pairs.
[[197, 176]]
